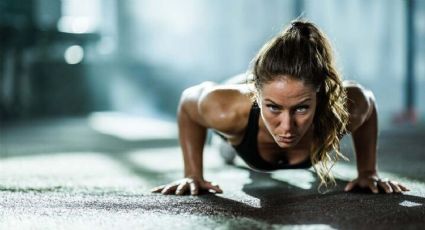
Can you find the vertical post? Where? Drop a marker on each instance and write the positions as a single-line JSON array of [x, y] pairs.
[[410, 115]]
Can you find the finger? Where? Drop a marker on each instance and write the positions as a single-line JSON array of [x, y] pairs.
[[386, 186], [181, 189], [373, 186], [157, 189], [395, 186], [217, 189], [349, 186], [169, 189], [212, 187], [405, 189], [194, 188]]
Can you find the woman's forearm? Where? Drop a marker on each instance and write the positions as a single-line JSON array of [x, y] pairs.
[[365, 144], [192, 136]]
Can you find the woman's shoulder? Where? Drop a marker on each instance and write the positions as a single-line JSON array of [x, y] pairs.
[[226, 107], [358, 96], [360, 103], [228, 94]]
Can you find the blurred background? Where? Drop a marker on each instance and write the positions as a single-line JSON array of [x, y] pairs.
[[118, 67], [88, 97]]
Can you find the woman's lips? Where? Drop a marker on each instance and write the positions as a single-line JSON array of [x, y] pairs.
[[288, 140]]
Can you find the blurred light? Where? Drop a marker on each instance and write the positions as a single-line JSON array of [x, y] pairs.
[[132, 128], [80, 16], [74, 54], [409, 204], [76, 25]]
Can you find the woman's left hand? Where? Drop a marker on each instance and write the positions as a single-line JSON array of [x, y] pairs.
[[373, 182]]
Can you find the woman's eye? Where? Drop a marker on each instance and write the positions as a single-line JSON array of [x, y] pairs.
[[301, 109], [273, 108]]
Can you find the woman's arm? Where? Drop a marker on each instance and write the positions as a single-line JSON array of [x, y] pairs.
[[201, 107], [192, 135], [364, 129], [192, 131], [363, 125]]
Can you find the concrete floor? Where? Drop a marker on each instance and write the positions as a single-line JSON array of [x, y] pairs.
[[66, 174]]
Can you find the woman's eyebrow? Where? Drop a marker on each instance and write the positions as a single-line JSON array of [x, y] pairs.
[[299, 103], [304, 101]]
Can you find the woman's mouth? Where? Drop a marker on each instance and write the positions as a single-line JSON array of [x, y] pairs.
[[287, 139]]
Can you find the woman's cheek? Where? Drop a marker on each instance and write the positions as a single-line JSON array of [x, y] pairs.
[[306, 122], [310, 121], [270, 120]]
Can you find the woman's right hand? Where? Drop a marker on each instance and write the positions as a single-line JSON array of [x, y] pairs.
[[187, 185]]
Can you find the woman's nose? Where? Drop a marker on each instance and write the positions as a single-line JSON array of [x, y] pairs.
[[285, 124]]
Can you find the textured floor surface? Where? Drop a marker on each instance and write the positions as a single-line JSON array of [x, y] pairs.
[[71, 174]]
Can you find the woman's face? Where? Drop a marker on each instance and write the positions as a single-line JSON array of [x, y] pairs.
[[287, 108]]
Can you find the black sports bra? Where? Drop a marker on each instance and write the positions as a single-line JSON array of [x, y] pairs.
[[248, 149]]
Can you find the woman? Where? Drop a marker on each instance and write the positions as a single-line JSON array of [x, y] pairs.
[[293, 115]]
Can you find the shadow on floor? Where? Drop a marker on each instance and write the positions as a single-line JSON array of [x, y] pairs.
[[283, 204]]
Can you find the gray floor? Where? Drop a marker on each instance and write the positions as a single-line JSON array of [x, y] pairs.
[[63, 174]]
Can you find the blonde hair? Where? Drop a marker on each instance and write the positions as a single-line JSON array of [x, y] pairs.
[[303, 52]]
